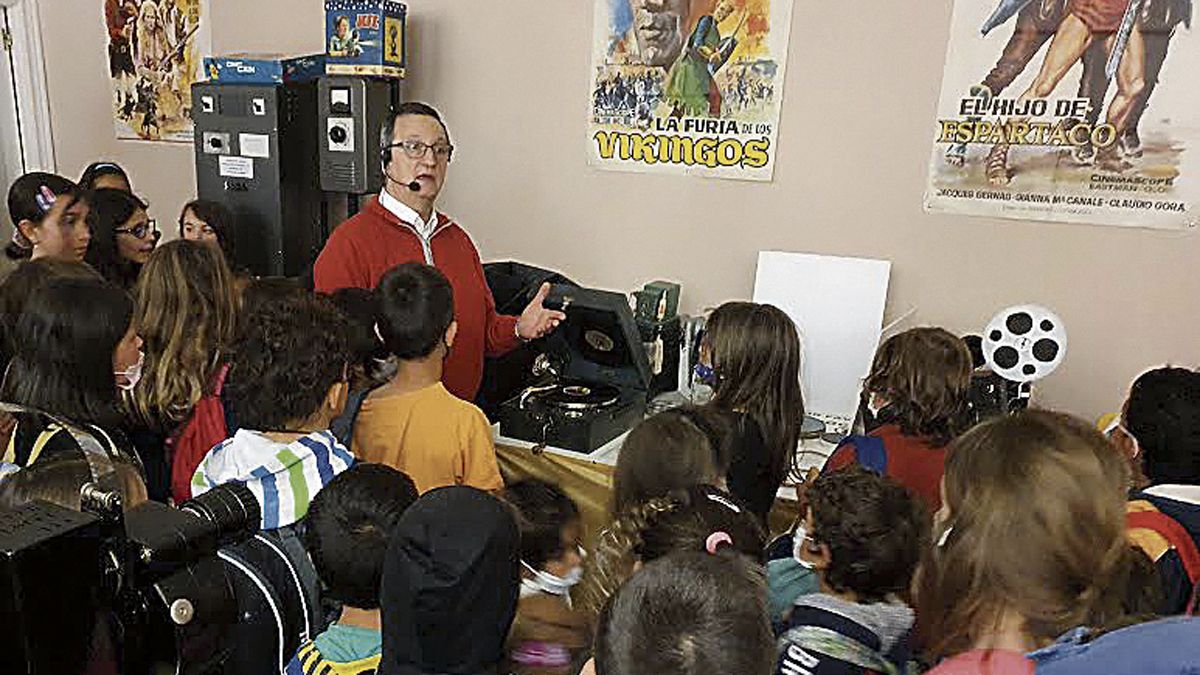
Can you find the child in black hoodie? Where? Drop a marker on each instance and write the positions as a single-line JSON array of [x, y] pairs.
[[449, 588]]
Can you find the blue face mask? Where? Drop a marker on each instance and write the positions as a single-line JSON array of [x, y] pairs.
[[705, 374]]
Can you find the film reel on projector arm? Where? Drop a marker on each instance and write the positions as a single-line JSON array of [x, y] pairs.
[[1024, 344]]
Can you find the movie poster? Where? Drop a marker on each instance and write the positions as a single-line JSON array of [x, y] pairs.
[[154, 55], [1081, 111], [688, 86]]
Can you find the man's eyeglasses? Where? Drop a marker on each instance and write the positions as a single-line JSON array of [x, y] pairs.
[[416, 149], [140, 231]]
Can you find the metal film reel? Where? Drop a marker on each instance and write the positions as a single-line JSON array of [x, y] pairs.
[[1025, 343]]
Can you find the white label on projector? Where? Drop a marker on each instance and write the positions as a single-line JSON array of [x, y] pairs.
[[236, 167], [254, 145]]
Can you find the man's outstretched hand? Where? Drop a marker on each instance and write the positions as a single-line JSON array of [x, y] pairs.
[[537, 321]]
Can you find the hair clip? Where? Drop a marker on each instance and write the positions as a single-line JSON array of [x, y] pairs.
[[22, 242], [723, 502], [715, 540], [45, 198], [945, 536]]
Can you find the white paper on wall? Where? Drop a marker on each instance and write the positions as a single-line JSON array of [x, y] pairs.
[[837, 304]]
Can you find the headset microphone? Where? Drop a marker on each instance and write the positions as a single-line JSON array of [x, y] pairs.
[[385, 157]]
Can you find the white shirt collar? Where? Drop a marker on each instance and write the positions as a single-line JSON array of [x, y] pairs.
[[1181, 493], [407, 215]]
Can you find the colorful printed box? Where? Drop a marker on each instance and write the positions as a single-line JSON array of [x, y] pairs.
[[365, 37], [264, 68]]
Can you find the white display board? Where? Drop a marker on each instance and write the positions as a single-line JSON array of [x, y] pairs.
[[837, 304]]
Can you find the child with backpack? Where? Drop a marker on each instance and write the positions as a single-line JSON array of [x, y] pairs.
[[917, 395], [288, 381], [1159, 432]]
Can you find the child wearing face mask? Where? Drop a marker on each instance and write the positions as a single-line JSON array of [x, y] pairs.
[[412, 422], [75, 347], [863, 536], [916, 400], [548, 635]]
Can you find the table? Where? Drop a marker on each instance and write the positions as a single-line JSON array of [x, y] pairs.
[[587, 479]]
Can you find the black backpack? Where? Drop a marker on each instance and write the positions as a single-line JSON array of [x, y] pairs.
[[277, 596]]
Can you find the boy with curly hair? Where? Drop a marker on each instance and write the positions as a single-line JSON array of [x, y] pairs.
[[287, 383], [863, 535]]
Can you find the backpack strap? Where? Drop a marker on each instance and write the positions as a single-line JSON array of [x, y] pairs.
[[98, 457], [1173, 532], [268, 595], [869, 452], [218, 380], [837, 646], [343, 427]]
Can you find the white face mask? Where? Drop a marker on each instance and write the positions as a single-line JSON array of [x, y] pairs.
[[128, 378], [799, 543], [554, 585]]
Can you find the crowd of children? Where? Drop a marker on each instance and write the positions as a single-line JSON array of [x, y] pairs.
[[931, 541]]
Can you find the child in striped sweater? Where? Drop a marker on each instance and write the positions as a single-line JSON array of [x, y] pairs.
[[287, 383]]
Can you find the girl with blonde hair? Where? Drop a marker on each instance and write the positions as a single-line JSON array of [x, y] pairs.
[[1032, 549], [187, 315]]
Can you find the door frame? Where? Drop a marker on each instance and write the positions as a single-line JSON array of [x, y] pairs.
[[33, 96]]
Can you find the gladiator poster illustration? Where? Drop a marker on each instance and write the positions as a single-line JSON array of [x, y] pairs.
[[688, 86], [1078, 111], [154, 56]]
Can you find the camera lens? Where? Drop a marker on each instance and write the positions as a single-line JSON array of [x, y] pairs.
[[232, 507]]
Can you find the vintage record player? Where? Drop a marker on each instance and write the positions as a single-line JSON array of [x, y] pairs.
[[593, 377]]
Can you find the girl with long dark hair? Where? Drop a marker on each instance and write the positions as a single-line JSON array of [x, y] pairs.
[[75, 348], [49, 215], [123, 236], [208, 222], [751, 357]]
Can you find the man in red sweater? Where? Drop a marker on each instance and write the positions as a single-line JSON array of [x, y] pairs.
[[402, 226]]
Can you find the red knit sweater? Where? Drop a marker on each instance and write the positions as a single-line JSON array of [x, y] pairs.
[[363, 248]]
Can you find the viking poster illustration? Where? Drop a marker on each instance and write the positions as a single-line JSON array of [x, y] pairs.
[[688, 86]]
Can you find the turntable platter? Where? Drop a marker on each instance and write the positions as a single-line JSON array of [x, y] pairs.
[[581, 396]]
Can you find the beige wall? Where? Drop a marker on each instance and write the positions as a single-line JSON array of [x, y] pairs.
[[512, 79]]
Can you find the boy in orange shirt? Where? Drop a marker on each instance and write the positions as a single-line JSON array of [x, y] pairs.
[[413, 423]]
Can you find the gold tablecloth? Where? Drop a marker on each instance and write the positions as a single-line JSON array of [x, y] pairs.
[[589, 484]]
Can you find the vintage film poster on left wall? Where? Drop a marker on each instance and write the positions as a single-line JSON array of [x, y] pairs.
[[689, 87], [153, 51], [1080, 111]]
